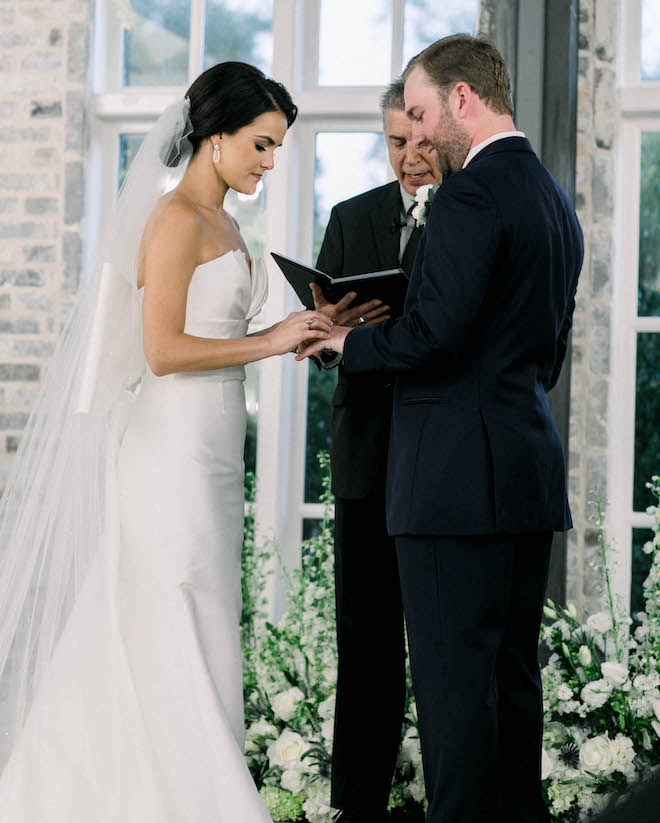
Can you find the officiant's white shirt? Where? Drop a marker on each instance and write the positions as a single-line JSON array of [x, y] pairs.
[[499, 136]]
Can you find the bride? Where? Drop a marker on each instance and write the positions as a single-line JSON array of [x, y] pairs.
[[121, 526]]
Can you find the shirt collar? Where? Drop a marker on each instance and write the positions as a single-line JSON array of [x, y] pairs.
[[407, 199], [499, 136]]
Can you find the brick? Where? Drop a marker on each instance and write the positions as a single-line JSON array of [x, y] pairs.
[[18, 371], [42, 254], [35, 301], [15, 181], [41, 205], [24, 135], [43, 61], [21, 277], [43, 109], [19, 325], [75, 121], [73, 192], [8, 205], [71, 261], [77, 53], [37, 230], [45, 157], [7, 109], [13, 420], [32, 348], [19, 39]]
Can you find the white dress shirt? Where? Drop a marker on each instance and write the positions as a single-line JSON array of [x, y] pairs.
[[499, 136], [407, 220]]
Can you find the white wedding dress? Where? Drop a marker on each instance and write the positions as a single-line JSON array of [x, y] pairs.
[[153, 732]]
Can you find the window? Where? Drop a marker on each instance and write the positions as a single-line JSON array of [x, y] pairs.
[[634, 437], [335, 73]]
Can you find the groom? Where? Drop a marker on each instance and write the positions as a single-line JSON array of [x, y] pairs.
[[476, 478]]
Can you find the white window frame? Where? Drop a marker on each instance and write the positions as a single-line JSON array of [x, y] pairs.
[[638, 111]]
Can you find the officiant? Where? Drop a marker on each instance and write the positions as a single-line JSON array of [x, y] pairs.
[[371, 232]]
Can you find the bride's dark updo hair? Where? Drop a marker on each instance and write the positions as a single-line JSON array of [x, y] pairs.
[[231, 95]]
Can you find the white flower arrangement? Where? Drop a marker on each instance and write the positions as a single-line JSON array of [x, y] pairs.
[[424, 198], [601, 693]]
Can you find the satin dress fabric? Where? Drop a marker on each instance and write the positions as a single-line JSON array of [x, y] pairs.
[[154, 730]]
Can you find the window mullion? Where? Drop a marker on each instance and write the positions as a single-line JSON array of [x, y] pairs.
[[196, 45], [397, 37]]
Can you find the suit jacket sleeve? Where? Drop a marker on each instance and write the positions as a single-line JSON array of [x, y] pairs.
[[459, 248], [562, 345], [331, 256]]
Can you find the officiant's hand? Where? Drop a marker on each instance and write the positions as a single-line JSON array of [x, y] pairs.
[[366, 314], [334, 341]]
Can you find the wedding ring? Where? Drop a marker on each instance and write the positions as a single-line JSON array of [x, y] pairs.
[[309, 321], [361, 320]]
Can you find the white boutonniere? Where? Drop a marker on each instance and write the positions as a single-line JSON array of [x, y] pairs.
[[424, 198]]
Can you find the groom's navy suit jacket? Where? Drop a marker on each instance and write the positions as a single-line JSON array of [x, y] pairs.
[[473, 446]]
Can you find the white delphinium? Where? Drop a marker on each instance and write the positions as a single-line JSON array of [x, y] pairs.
[[600, 623]]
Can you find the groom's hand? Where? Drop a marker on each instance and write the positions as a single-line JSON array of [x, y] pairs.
[[335, 342]]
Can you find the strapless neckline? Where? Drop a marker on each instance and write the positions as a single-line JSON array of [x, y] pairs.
[[238, 254]]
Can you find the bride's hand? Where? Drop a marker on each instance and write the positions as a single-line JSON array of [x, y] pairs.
[[299, 327]]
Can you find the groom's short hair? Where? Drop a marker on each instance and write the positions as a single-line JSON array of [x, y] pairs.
[[468, 59]]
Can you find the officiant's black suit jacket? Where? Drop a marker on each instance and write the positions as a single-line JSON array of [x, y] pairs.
[[362, 236], [473, 447]]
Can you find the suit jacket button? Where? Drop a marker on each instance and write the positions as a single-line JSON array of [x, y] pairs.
[[388, 385]]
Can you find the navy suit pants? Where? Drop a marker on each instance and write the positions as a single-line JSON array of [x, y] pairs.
[[473, 608]]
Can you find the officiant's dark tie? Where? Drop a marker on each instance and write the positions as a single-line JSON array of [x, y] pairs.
[[410, 250]]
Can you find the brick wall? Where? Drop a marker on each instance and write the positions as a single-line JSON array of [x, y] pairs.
[[590, 379], [43, 87]]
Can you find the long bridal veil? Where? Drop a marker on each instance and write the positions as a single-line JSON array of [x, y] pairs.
[[58, 515]]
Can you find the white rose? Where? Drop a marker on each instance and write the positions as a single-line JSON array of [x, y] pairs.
[[596, 693], [417, 212], [546, 765], [287, 750], [293, 780], [327, 708], [656, 727], [656, 708], [422, 194], [285, 703], [596, 755], [584, 655], [599, 623], [616, 673]]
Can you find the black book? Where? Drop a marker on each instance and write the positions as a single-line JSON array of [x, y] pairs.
[[389, 286]]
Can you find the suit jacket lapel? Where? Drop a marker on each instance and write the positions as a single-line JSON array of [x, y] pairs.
[[384, 220]]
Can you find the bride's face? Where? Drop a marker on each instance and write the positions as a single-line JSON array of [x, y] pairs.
[[247, 154]]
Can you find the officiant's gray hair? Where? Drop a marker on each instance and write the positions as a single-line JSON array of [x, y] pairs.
[[392, 97]]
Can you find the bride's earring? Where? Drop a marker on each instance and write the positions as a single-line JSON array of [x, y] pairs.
[[216, 153]]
